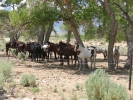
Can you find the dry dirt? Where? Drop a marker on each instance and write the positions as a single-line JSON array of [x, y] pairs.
[[57, 82]]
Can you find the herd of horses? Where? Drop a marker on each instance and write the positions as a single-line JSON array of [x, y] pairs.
[[62, 51]]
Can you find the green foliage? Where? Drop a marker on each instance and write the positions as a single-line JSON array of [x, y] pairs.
[[77, 86], [100, 87], [24, 80], [55, 89], [2, 46], [21, 56], [32, 80], [13, 1], [2, 80], [74, 97], [43, 13], [5, 72], [28, 80], [12, 84], [6, 68], [34, 89]]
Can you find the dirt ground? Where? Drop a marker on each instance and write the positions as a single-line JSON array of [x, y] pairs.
[[57, 82]]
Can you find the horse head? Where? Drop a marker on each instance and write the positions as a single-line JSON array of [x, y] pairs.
[[116, 50], [76, 46]]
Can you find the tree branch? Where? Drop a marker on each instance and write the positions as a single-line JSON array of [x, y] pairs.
[[125, 13]]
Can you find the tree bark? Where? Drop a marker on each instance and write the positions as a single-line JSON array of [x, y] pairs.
[[12, 37], [129, 40], [75, 31], [41, 35], [69, 35], [113, 33], [129, 37], [47, 36]]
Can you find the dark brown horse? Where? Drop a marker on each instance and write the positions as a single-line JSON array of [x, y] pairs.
[[66, 50], [12, 45]]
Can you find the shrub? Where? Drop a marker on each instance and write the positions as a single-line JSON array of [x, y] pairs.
[[2, 80], [20, 56], [32, 80], [77, 86], [34, 89], [28, 80], [100, 87], [24, 80], [6, 68]]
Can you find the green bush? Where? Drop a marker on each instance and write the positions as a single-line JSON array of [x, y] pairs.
[[2, 80], [24, 80], [32, 80], [34, 89], [6, 68], [100, 87], [13, 51], [20, 56], [2, 45], [28, 80]]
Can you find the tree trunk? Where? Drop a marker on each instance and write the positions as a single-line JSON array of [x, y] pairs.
[[69, 36], [75, 31], [47, 36], [129, 40], [113, 33], [41, 35], [12, 37]]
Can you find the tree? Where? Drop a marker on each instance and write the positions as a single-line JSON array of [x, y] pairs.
[[66, 28], [15, 19], [41, 15], [67, 8], [112, 34], [124, 8]]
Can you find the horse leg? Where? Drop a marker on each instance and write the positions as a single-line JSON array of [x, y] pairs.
[[80, 64], [75, 58], [55, 55], [67, 57], [7, 50], [61, 60], [83, 63], [117, 64]]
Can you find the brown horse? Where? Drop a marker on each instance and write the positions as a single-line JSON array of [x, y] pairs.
[[66, 50], [13, 45]]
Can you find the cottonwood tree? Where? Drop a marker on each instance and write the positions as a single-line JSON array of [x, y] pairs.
[[15, 20], [113, 32], [42, 15], [125, 7], [67, 8], [67, 29]]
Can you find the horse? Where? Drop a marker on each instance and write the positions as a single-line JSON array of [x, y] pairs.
[[44, 51], [13, 45], [66, 50], [100, 50], [116, 55], [34, 50], [84, 53]]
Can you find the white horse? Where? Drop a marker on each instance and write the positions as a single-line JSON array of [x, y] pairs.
[[44, 51], [100, 50], [116, 55], [45, 47], [84, 53]]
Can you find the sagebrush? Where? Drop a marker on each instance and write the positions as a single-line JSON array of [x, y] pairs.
[[100, 87]]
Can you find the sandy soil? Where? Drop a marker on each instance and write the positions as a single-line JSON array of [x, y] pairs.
[[58, 82]]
